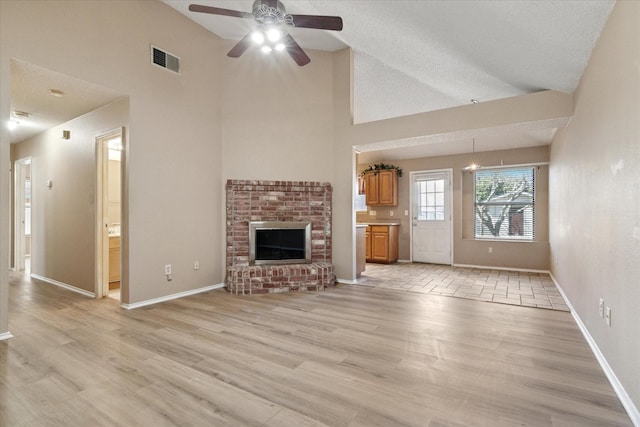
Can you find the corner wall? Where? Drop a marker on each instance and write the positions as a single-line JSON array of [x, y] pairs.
[[64, 216], [595, 198]]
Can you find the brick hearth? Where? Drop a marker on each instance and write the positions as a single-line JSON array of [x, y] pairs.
[[278, 201]]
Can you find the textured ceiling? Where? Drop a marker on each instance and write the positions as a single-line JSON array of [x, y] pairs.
[[409, 57], [30, 93], [418, 56]]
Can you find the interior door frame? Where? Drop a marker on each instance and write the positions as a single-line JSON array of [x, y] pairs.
[[102, 206], [412, 174], [19, 216]]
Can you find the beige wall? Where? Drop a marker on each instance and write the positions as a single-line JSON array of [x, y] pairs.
[[277, 117], [173, 187], [466, 250], [595, 197], [63, 217], [277, 120]]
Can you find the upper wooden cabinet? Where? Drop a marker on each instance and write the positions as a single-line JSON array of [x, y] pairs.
[[381, 188]]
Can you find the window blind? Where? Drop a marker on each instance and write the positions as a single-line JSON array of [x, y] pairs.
[[505, 203]]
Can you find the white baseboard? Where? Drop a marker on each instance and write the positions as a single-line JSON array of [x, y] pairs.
[[64, 285], [172, 297], [5, 336], [346, 282], [626, 401], [486, 267]]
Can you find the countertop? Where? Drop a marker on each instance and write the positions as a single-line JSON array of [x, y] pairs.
[[364, 224]]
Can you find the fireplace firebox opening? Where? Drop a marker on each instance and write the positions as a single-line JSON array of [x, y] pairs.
[[279, 242]]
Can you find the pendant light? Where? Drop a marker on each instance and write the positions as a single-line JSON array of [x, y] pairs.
[[473, 165]]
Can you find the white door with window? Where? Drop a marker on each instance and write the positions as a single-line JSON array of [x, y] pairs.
[[431, 232]]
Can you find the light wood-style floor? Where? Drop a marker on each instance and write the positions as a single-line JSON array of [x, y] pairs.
[[348, 356]]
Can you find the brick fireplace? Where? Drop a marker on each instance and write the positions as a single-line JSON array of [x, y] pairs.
[[278, 201]]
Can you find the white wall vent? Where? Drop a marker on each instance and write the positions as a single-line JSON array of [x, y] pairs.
[[165, 59]]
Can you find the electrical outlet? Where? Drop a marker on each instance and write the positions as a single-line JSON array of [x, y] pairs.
[[372, 213], [607, 315], [490, 250], [196, 265], [167, 269], [406, 212], [390, 213], [601, 308]]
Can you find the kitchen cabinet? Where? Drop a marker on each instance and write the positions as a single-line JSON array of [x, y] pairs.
[[360, 249], [114, 259], [382, 243], [381, 187]]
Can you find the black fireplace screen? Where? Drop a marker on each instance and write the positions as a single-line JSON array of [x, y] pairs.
[[279, 242]]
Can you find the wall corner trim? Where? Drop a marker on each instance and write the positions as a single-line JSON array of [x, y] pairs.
[[171, 297], [64, 285], [627, 403]]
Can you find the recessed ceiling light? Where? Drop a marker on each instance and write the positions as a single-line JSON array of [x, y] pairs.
[[57, 93]]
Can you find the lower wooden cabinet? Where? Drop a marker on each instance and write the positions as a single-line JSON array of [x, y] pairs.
[[382, 243], [360, 250], [114, 259]]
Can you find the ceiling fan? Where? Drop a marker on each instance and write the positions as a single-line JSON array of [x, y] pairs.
[[270, 34]]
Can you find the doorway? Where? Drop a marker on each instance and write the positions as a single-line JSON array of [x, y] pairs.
[[109, 149], [22, 215], [431, 225]]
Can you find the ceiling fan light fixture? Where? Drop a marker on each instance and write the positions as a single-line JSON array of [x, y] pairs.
[[270, 17], [257, 37], [274, 35]]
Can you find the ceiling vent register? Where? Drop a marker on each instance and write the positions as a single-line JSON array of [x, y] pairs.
[[165, 60]]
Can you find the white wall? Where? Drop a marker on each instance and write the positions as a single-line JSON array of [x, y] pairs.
[[595, 197]]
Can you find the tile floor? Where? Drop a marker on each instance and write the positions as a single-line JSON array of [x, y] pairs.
[[500, 286]]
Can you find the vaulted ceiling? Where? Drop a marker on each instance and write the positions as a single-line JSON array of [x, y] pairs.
[[413, 56], [416, 56], [410, 56]]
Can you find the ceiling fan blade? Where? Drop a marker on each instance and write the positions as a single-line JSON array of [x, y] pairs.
[[318, 22], [296, 51], [218, 11], [240, 47]]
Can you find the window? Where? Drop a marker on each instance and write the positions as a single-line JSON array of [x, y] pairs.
[[361, 197], [431, 200], [505, 203]]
